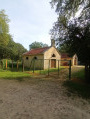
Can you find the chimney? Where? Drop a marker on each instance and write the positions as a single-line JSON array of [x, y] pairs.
[[29, 48], [53, 42]]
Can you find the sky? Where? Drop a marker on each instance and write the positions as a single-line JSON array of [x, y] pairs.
[[30, 20]]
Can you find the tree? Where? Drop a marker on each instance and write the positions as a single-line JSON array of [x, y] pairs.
[[8, 48], [72, 31], [63, 48], [16, 50], [20, 50], [4, 28], [4, 34], [69, 8], [37, 45]]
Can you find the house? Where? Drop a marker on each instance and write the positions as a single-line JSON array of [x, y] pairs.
[[65, 57], [42, 58]]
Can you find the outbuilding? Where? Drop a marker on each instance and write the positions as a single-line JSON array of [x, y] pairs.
[[42, 58], [65, 57]]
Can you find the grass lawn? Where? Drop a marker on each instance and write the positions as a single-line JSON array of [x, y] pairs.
[[46, 71], [78, 85], [19, 74], [75, 88], [10, 75], [80, 74]]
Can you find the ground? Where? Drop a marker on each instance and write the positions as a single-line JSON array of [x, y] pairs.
[[40, 98]]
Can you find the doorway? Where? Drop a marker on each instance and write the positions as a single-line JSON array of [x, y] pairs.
[[75, 61], [53, 63]]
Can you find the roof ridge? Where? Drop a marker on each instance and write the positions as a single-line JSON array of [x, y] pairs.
[[36, 51]]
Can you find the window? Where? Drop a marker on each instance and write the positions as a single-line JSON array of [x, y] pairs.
[[26, 58], [53, 55], [35, 58]]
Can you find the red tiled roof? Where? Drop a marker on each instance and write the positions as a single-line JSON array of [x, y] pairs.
[[65, 55], [36, 51]]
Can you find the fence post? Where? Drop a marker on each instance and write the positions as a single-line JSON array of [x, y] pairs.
[[58, 67], [48, 67], [40, 66], [23, 65], [17, 65], [6, 64], [70, 70], [33, 65]]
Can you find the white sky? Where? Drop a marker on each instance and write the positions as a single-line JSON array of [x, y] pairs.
[[31, 20]]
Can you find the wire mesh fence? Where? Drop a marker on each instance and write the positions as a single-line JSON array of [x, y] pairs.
[[49, 67]]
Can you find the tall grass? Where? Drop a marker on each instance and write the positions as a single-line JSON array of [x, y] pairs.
[[78, 86], [80, 74], [74, 88]]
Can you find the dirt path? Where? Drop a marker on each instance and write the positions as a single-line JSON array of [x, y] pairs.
[[40, 99]]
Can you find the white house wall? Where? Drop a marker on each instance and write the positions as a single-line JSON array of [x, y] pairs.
[[39, 64], [48, 55]]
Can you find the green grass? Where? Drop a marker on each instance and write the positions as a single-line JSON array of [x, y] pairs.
[[78, 74], [7, 74], [78, 86], [10, 74], [46, 71], [13, 75], [82, 90]]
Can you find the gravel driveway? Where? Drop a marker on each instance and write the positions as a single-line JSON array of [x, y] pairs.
[[40, 99]]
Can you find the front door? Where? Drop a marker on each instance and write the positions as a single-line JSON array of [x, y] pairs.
[[75, 61], [53, 63]]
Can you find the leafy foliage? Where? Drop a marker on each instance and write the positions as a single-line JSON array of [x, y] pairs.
[[4, 28], [79, 40], [71, 31], [8, 48], [69, 8], [37, 45], [16, 50]]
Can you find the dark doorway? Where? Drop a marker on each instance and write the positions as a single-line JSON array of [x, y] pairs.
[[75, 61], [53, 63]]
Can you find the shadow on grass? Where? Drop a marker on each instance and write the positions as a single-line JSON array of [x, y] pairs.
[[82, 90], [79, 74], [20, 79]]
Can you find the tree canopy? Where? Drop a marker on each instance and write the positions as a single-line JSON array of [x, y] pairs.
[[4, 28], [67, 23], [8, 48], [35, 45], [72, 28], [69, 8]]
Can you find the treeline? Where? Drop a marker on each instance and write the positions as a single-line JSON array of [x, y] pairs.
[[12, 50], [8, 48]]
